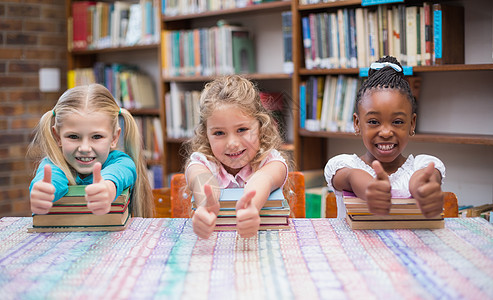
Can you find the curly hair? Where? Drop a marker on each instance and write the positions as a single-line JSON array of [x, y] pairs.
[[242, 93]]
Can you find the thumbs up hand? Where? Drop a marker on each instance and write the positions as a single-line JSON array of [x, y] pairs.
[[247, 216], [378, 191], [43, 193], [426, 189], [101, 193], [204, 218]]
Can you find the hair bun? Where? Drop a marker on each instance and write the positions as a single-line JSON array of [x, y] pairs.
[[380, 65]]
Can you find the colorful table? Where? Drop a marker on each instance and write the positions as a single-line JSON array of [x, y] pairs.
[[316, 258]]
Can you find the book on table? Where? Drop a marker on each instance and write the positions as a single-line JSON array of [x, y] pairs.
[[229, 197], [273, 215], [70, 213], [74, 201], [404, 214]]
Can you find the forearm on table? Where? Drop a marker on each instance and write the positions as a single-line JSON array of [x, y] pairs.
[[349, 179], [264, 181], [197, 176]]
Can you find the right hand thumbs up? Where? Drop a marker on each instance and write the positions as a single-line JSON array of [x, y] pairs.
[[378, 191], [204, 218], [43, 193]]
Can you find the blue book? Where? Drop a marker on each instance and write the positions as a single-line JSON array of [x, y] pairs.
[[281, 211], [230, 196], [302, 105], [307, 42]]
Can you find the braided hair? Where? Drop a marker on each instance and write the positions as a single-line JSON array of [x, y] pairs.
[[386, 73]]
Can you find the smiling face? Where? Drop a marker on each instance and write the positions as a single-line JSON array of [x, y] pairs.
[[233, 136], [385, 121], [85, 139]]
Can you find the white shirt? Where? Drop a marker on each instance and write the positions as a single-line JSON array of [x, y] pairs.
[[398, 180]]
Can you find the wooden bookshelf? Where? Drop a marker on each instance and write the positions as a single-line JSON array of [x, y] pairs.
[[265, 79], [312, 146], [309, 148], [145, 57]]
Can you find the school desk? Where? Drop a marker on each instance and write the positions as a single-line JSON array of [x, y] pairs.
[[316, 258]]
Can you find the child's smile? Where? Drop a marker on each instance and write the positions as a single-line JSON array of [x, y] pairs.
[[233, 137], [236, 154], [385, 120], [85, 139]]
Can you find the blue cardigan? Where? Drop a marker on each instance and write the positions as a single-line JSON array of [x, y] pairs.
[[118, 167]]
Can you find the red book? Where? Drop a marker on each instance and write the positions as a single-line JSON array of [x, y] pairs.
[[80, 12], [428, 34]]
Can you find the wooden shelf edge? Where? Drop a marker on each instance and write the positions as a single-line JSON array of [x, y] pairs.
[[448, 68], [417, 69], [268, 6], [115, 50], [176, 140], [442, 138], [449, 138], [256, 76], [348, 71], [329, 4], [144, 111]]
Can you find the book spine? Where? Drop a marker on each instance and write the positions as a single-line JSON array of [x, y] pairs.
[[428, 33], [302, 104], [402, 16], [448, 34], [307, 42], [315, 41], [288, 66], [411, 35]]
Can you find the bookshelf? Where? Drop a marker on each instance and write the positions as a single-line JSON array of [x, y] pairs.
[[453, 107], [142, 55], [263, 21], [441, 127]]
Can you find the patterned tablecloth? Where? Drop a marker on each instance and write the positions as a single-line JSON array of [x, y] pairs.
[[316, 258]]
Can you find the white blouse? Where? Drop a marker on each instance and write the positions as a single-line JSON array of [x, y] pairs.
[[398, 180]]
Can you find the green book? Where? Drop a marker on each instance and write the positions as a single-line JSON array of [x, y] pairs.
[[76, 197]]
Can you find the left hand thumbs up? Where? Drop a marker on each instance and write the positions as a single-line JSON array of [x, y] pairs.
[[247, 216], [96, 173]]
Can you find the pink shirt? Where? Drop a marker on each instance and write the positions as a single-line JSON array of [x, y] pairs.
[[227, 180]]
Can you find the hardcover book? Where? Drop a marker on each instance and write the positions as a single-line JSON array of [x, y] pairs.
[[83, 219], [404, 214], [229, 197], [70, 213], [448, 34]]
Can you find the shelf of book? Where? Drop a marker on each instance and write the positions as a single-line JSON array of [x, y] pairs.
[[185, 80], [314, 144], [109, 38]]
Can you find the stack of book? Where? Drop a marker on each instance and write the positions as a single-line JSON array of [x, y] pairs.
[[274, 214], [404, 214], [70, 213]]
